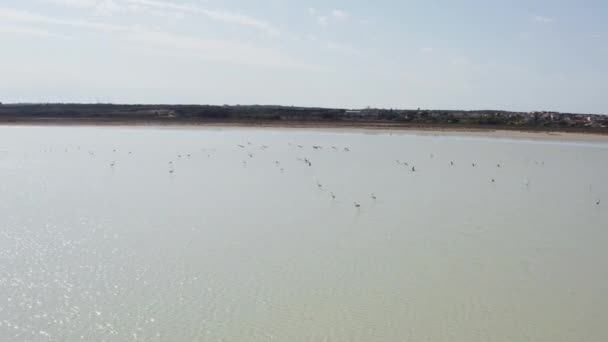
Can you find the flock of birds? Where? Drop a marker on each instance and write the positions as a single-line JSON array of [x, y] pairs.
[[308, 162]]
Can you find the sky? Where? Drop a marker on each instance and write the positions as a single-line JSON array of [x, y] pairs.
[[434, 54]]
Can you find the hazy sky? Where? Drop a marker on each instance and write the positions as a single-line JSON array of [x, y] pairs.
[[475, 54]]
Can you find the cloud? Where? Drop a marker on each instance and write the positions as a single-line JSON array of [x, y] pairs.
[[162, 13], [524, 35], [8, 14], [322, 20], [427, 49], [101, 6], [157, 8], [30, 31], [460, 61], [177, 44], [342, 48], [340, 14], [221, 16], [217, 50], [240, 19], [541, 19]]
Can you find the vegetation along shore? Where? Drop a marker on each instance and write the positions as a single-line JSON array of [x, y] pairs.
[[266, 115]]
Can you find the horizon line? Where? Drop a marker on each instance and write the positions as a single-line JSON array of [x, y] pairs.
[[297, 106]]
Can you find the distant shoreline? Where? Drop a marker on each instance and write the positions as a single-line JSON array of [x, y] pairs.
[[303, 117], [553, 133]]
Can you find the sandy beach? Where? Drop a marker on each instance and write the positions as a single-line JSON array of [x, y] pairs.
[[571, 134]]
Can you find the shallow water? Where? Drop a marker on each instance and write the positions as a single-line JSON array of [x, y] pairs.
[[97, 244]]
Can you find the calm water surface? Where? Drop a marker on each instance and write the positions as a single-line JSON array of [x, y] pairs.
[[108, 234]]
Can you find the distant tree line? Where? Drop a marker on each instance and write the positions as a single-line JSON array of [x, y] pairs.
[[290, 113]]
